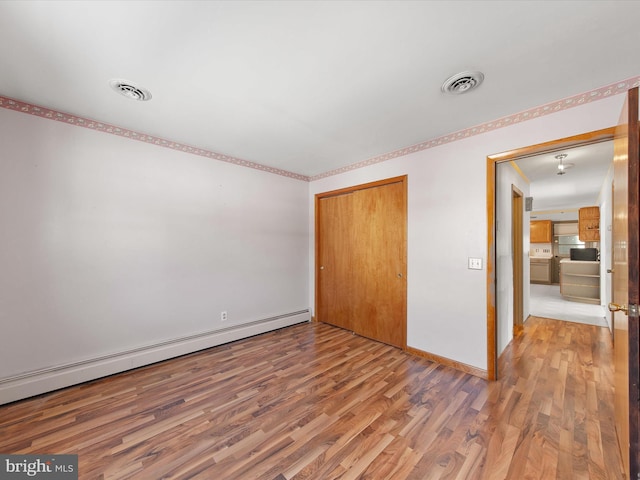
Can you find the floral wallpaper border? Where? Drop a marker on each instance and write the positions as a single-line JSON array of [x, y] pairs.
[[564, 104], [575, 101], [43, 112]]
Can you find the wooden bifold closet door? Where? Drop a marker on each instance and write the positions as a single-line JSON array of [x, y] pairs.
[[361, 259]]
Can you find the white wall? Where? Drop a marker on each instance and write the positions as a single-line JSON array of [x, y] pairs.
[[506, 176], [447, 223], [606, 242], [109, 244]]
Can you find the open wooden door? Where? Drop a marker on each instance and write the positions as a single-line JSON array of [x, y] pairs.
[[626, 283]]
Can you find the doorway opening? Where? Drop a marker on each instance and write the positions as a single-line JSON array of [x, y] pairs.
[[498, 306]]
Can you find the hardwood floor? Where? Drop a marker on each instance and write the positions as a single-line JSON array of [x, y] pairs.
[[316, 402]]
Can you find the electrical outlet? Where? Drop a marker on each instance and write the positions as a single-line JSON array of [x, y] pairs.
[[223, 316]]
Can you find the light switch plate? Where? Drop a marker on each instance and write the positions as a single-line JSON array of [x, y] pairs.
[[475, 263]]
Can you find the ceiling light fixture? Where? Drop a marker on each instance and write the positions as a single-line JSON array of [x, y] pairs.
[[462, 82], [130, 90], [562, 167]]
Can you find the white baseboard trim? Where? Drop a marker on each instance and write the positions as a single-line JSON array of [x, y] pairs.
[[45, 380]]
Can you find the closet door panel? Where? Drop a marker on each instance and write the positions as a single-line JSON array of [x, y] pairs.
[[361, 259], [336, 288], [378, 263]]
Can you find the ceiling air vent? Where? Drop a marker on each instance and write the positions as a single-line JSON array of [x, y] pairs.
[[130, 90], [462, 83]]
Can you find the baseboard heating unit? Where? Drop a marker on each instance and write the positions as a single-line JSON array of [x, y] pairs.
[[44, 380]]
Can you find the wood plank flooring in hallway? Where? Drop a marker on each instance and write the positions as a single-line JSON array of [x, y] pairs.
[[316, 402]]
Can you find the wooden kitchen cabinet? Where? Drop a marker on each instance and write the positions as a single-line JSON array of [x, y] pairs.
[[540, 231], [589, 224], [540, 271]]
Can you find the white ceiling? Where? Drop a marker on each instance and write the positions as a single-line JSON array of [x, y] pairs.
[[309, 86], [558, 197]]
